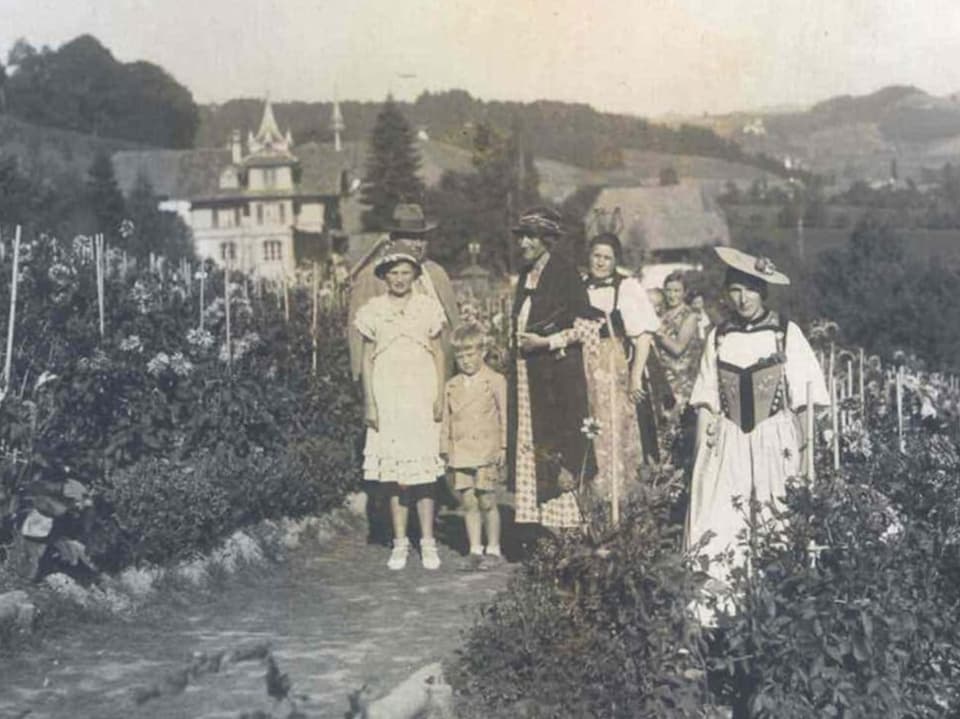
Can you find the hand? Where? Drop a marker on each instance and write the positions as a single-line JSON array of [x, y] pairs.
[[371, 417], [529, 341], [502, 458], [438, 409], [566, 481], [636, 392]]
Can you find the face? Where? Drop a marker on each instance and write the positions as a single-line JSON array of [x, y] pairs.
[[400, 278], [673, 294], [532, 247], [696, 303], [469, 358], [603, 261], [418, 246], [746, 301]]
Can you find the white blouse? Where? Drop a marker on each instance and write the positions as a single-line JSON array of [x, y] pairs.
[[635, 306]]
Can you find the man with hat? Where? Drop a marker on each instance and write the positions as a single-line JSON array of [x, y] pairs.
[[549, 401], [408, 233]]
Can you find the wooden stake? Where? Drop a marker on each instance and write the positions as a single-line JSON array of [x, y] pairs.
[[863, 395], [286, 301], [12, 318], [811, 410], [899, 387], [98, 261], [203, 279], [834, 422], [226, 304], [313, 320]]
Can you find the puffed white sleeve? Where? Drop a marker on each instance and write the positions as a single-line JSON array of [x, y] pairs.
[[706, 390], [803, 367], [639, 316], [366, 319]]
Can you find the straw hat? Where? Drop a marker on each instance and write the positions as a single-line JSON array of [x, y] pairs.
[[393, 254], [761, 268], [539, 222]]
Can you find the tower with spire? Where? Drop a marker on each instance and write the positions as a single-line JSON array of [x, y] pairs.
[[337, 125]]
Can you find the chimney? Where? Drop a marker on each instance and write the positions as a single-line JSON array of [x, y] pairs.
[[236, 148]]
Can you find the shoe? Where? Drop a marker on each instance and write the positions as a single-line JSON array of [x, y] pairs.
[[398, 556], [428, 554], [492, 561]]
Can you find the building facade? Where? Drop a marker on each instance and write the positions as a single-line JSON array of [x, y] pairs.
[[259, 205]]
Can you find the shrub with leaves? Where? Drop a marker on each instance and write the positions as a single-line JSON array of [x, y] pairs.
[[592, 630]]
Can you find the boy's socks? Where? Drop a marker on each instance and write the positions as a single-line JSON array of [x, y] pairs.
[[477, 550], [493, 550]]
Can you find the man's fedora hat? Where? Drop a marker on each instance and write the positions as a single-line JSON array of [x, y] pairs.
[[761, 268], [408, 219]]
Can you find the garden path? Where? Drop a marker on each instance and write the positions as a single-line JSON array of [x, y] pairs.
[[335, 618]]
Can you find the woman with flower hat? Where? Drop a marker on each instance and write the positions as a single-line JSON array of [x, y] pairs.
[[750, 391], [548, 451], [403, 373]]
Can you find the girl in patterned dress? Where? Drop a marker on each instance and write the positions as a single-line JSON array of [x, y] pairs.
[[403, 373]]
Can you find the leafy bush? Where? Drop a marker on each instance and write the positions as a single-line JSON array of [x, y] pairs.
[[593, 630], [868, 630], [168, 510]]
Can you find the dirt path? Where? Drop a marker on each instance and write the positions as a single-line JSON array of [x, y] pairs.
[[335, 618]]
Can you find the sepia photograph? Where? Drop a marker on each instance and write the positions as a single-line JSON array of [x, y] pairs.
[[437, 359]]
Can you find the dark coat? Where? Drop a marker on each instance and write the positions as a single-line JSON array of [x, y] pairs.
[[558, 388]]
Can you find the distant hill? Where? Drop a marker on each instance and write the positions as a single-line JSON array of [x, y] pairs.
[[81, 86], [47, 152], [854, 137], [572, 133]]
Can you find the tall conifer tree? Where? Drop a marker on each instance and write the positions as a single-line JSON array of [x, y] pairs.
[[391, 168]]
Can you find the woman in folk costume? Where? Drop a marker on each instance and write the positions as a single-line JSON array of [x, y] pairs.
[[616, 330], [548, 390], [751, 390]]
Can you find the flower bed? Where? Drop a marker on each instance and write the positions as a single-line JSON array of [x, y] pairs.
[[158, 439]]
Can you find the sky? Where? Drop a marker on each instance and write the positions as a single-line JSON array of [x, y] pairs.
[[645, 57]]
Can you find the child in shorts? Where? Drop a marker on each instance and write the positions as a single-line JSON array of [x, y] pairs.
[[473, 441]]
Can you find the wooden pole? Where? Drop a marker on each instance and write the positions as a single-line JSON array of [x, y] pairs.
[[286, 301], [863, 395], [203, 279], [98, 259], [226, 304], [899, 387], [811, 410], [12, 318], [614, 440], [313, 319], [834, 422]]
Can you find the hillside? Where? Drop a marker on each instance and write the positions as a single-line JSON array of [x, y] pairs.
[[854, 137], [48, 152]]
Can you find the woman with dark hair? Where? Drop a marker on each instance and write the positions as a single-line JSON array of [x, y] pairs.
[[615, 336], [549, 402], [403, 372], [751, 389]]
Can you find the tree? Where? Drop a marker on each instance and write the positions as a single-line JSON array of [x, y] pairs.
[[106, 201], [391, 174], [155, 230]]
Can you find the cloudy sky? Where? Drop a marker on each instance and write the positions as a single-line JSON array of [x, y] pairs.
[[648, 57]]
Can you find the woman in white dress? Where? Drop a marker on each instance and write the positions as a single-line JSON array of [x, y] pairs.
[[403, 372], [750, 395]]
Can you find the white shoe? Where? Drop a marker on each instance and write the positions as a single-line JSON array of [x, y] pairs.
[[398, 557], [428, 554]]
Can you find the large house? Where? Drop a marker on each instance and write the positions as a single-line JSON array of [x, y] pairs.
[[263, 205]]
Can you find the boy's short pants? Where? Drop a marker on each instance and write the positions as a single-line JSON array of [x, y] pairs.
[[488, 478]]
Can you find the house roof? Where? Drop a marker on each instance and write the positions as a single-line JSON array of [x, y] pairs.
[[191, 174], [672, 217]]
